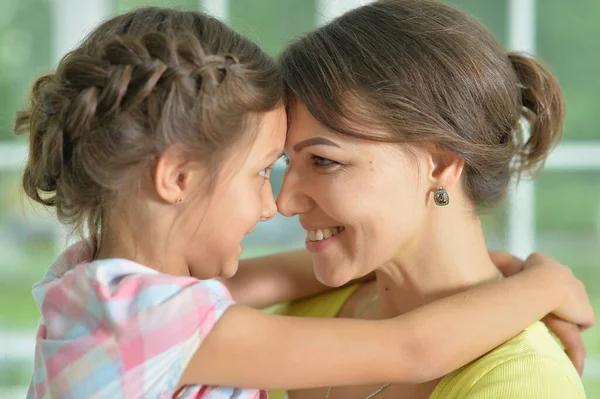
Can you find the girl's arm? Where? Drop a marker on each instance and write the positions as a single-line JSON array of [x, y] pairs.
[[272, 279], [508, 264], [568, 333], [249, 349], [286, 276]]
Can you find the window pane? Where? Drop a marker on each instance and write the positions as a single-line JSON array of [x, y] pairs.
[[27, 247], [568, 203], [25, 52], [568, 228], [25, 45], [492, 14], [568, 42], [272, 23]]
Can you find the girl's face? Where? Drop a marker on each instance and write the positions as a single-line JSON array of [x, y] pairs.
[[360, 202], [241, 198]]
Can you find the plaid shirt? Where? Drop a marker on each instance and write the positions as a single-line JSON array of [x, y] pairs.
[[116, 329]]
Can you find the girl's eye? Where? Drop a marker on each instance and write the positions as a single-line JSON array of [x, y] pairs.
[[322, 162], [266, 172]]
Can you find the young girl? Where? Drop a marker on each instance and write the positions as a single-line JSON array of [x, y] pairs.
[[156, 136]]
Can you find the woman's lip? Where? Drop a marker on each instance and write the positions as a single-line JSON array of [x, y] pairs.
[[316, 225]]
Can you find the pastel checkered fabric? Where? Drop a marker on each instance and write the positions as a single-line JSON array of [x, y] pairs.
[[116, 329]]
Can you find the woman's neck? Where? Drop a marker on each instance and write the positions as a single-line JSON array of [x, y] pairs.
[[450, 258]]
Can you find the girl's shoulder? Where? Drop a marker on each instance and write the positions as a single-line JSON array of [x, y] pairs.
[[115, 323]]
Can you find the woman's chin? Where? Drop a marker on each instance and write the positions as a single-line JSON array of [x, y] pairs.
[[331, 277]]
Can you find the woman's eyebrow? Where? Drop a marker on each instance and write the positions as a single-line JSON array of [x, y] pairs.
[[313, 141]]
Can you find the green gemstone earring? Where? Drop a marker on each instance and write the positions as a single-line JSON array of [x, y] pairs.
[[441, 197]]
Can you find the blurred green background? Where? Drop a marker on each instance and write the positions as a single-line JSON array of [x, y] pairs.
[[567, 206]]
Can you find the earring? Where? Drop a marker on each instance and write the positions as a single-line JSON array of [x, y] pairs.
[[441, 197], [179, 200]]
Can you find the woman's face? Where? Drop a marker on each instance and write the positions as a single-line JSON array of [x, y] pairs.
[[360, 202]]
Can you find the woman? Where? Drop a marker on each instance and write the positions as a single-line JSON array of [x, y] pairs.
[[405, 123]]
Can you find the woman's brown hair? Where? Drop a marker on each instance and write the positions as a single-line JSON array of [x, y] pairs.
[[424, 72], [140, 82]]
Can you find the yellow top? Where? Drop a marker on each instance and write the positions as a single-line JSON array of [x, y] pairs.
[[324, 305], [529, 366]]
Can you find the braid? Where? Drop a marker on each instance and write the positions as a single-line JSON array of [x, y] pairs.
[[130, 69]]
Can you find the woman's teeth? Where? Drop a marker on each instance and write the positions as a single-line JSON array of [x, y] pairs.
[[323, 234]]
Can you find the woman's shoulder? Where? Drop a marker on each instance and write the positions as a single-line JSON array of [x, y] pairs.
[[530, 365]]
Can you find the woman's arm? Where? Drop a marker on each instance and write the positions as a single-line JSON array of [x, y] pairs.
[[248, 348]]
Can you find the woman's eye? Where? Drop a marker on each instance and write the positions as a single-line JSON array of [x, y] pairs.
[[320, 161]]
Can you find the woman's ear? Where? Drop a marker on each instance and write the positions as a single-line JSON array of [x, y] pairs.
[[444, 168]]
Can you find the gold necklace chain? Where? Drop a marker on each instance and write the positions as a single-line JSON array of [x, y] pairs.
[[377, 392]]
